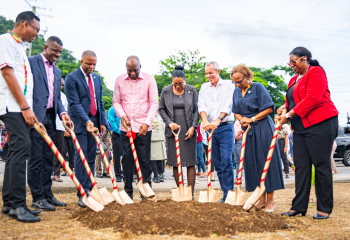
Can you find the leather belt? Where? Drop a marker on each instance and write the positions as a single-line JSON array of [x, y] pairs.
[[225, 123]]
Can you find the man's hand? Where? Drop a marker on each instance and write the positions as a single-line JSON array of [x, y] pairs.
[[66, 119], [143, 129], [103, 130], [173, 126], [66, 134], [29, 117], [126, 120], [216, 123], [206, 125], [189, 133], [90, 126]]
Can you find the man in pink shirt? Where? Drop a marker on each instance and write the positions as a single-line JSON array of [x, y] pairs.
[[135, 101]]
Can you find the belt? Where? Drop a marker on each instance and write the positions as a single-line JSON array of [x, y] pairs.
[[238, 139], [225, 123]]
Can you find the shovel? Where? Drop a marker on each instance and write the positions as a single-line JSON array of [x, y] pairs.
[[121, 197], [238, 197], [181, 193], [259, 191], [100, 195], [144, 188], [88, 201], [209, 195]]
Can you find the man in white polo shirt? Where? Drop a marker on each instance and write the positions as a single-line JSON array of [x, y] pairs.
[[16, 97]]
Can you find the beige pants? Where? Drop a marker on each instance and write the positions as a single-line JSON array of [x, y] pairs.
[[99, 161], [332, 160]]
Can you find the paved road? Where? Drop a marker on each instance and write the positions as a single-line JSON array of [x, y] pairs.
[[67, 184]]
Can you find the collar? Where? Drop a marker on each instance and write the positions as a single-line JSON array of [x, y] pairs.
[[219, 83], [139, 78], [45, 60], [14, 36]]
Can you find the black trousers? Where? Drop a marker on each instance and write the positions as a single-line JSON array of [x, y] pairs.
[[155, 167], [314, 147], [281, 144], [68, 146], [14, 185], [5, 151], [41, 159], [143, 151], [161, 167], [117, 152], [59, 144]]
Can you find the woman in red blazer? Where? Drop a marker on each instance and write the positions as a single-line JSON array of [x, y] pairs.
[[315, 121]]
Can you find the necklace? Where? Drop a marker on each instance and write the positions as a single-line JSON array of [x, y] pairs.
[[301, 75], [246, 88], [177, 93]]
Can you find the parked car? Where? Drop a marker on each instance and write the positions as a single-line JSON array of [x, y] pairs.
[[343, 142]]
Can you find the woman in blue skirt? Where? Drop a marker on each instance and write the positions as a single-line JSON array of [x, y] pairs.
[[252, 105]]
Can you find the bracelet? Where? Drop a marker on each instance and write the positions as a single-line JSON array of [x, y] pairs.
[[23, 109], [253, 118]]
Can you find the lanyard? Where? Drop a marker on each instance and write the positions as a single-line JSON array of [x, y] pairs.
[[18, 40]]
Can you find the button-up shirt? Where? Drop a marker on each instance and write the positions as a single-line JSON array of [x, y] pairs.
[[12, 54], [59, 125], [136, 99], [50, 79], [114, 120], [238, 130], [87, 82], [215, 100]]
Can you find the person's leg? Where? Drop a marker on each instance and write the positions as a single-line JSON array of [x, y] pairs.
[[80, 171], [200, 157], [116, 155], [91, 158], [14, 185], [237, 154], [143, 150], [176, 175], [216, 156], [334, 168], [154, 165], [161, 167], [281, 144], [108, 146], [128, 164], [98, 168], [61, 148], [71, 150], [191, 178]]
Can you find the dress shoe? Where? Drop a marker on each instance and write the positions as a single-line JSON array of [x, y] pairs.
[[23, 214], [222, 200], [199, 173], [213, 180], [80, 203], [203, 175], [6, 210], [293, 214], [64, 173], [135, 176], [119, 179], [55, 202], [161, 176], [106, 175], [43, 205], [56, 179], [287, 176], [160, 180], [99, 175], [156, 180], [270, 210], [318, 216]]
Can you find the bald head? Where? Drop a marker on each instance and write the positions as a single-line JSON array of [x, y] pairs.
[[133, 67], [88, 53]]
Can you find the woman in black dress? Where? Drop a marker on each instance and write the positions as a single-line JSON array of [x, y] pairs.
[[178, 107]]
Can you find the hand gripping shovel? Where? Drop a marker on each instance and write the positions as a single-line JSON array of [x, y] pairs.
[[100, 195], [121, 197], [209, 195], [259, 191], [238, 197], [181, 193], [88, 201], [144, 188]]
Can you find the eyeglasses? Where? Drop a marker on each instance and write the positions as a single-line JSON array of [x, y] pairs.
[[239, 82], [294, 62], [37, 29], [178, 84]]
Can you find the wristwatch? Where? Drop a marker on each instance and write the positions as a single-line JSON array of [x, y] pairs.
[[288, 116], [253, 118], [221, 118]]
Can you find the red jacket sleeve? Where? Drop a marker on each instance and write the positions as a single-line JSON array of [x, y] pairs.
[[315, 88]]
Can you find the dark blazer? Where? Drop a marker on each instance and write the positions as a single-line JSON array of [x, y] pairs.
[[79, 100], [41, 88], [166, 110]]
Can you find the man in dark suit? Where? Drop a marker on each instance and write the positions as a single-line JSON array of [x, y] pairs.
[[46, 105], [85, 106]]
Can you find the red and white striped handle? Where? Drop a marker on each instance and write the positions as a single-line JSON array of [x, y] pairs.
[[210, 137], [178, 158], [244, 140]]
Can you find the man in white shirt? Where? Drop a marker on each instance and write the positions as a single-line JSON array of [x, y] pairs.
[[214, 106], [16, 98]]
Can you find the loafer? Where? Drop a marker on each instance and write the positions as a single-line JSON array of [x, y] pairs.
[[55, 202], [56, 179], [318, 216], [80, 203], [106, 175], [119, 179], [156, 180], [222, 200], [99, 175], [293, 214], [43, 205], [23, 214]]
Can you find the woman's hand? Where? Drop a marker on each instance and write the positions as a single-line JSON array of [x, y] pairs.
[[282, 119], [280, 109], [245, 121], [173, 126], [189, 133]]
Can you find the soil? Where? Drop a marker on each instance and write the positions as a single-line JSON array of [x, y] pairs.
[[181, 218]]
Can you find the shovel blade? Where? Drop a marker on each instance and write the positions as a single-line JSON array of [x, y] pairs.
[[105, 195], [148, 191], [185, 196], [94, 193], [117, 198], [139, 185], [241, 196], [231, 197], [92, 204], [259, 191], [125, 197], [203, 196], [213, 195]]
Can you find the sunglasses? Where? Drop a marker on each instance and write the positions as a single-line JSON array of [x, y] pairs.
[[294, 62], [239, 82]]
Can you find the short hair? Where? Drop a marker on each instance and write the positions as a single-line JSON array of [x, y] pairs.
[[134, 58], [215, 65], [53, 39], [27, 16], [244, 70], [88, 53]]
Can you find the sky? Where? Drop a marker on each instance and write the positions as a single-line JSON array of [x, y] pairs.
[[253, 32]]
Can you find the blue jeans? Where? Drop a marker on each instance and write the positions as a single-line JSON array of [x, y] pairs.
[[222, 149], [237, 154], [201, 163]]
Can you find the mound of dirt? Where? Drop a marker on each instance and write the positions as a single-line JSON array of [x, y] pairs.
[[172, 218]]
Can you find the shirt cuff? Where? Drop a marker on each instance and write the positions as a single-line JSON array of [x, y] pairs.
[[148, 122], [5, 64], [62, 114], [226, 110]]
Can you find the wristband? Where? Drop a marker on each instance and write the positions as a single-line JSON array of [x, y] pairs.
[[23, 109]]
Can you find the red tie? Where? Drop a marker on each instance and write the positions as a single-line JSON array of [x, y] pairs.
[[92, 95]]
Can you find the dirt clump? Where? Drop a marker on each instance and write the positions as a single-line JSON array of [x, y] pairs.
[[178, 218]]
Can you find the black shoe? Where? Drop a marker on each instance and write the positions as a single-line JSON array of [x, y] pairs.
[[55, 202], [23, 214], [287, 176], [293, 214], [160, 180], [142, 197], [43, 205], [161, 176], [106, 175], [222, 200], [134, 180], [119, 179], [64, 174], [99, 175], [318, 216], [80, 203], [156, 180], [6, 210]]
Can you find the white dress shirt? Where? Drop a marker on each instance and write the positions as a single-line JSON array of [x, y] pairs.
[[87, 82], [215, 100], [59, 125], [12, 54]]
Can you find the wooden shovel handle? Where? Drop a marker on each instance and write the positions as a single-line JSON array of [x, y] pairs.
[[210, 136], [42, 131], [178, 158], [244, 140]]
